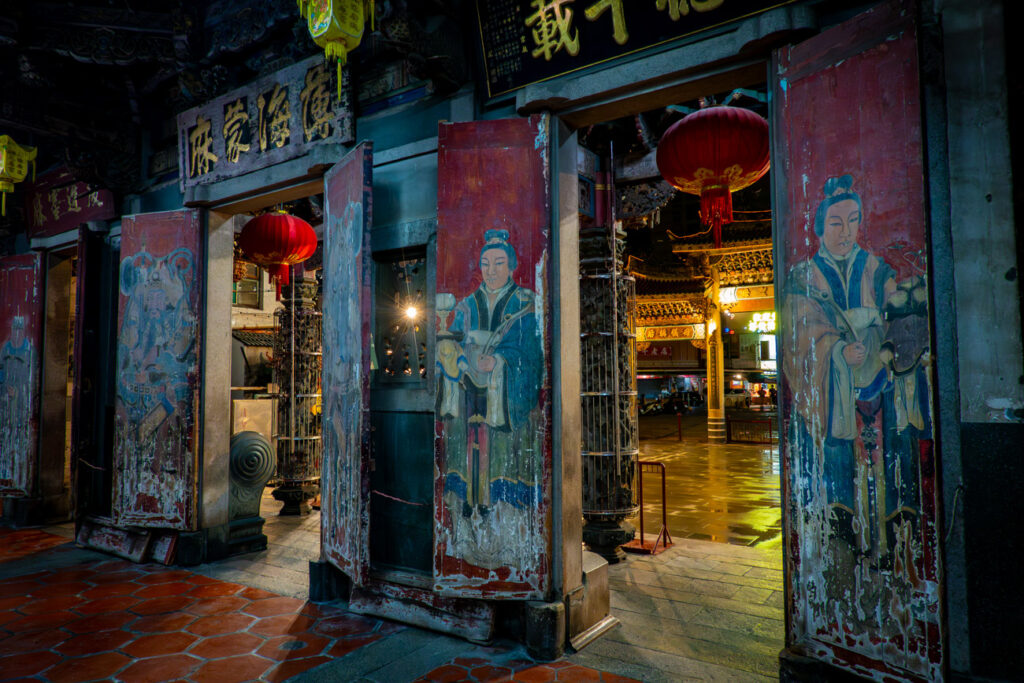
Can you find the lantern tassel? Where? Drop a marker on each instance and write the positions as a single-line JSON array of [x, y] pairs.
[[716, 209], [280, 273]]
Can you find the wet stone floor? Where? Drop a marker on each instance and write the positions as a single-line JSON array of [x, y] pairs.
[[710, 608], [724, 493]]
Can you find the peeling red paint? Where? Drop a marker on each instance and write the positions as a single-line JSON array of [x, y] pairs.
[[158, 350], [492, 489], [21, 331], [864, 579]]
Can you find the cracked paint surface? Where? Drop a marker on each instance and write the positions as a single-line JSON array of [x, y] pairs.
[[21, 326], [859, 458], [157, 403], [492, 487]]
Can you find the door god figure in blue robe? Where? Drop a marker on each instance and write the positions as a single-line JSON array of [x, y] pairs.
[[490, 368]]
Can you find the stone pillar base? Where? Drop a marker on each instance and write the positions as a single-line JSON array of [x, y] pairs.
[[606, 537], [296, 497]]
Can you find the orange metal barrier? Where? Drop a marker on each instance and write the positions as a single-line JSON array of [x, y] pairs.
[[664, 539]]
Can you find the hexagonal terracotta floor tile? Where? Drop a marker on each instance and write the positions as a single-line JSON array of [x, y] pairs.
[[164, 576], [535, 674], [100, 622], [49, 605], [342, 647], [114, 603], [66, 588], [231, 645], [162, 623], [222, 605], [28, 664], [159, 644], [296, 646], [170, 603], [220, 625], [107, 590], [232, 669], [101, 666], [282, 625], [13, 602], [257, 593], [102, 578], [215, 590], [156, 669], [21, 643], [39, 622], [273, 606], [163, 590], [89, 643]]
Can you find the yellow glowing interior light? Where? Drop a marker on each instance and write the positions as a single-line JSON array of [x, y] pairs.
[[411, 313]]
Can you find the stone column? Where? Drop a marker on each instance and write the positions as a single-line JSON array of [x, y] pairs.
[[716, 364]]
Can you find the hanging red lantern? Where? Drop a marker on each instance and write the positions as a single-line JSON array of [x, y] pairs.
[[277, 241], [712, 153]]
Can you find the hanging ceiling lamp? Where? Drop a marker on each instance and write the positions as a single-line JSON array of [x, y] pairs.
[[337, 26], [712, 153], [277, 241]]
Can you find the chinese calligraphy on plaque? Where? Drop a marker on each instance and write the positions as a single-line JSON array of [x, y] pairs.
[[526, 41], [274, 119]]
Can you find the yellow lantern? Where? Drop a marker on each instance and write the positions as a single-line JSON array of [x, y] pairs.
[[14, 161], [337, 26]]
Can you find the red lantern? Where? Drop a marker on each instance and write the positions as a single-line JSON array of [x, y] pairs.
[[277, 241], [712, 153]]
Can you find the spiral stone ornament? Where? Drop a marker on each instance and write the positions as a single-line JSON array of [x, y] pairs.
[[253, 460]]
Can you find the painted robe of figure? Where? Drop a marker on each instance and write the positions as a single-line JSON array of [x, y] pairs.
[[840, 369], [17, 363], [489, 362]]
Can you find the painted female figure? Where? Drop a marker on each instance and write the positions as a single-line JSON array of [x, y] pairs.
[[490, 365], [839, 369]]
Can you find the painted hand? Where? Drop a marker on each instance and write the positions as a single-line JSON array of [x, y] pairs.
[[854, 354], [486, 363]]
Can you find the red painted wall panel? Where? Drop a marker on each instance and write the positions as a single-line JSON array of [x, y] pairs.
[[864, 581], [157, 408], [493, 438], [21, 332], [348, 214]]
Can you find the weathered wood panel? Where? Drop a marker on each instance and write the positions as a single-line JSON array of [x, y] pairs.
[[345, 483], [158, 372], [21, 329], [492, 491], [864, 580]]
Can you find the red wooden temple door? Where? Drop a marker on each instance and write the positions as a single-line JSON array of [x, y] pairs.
[[864, 575], [158, 372], [492, 491], [21, 332], [347, 291]]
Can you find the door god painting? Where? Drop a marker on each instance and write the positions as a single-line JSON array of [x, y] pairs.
[[489, 368], [856, 365]]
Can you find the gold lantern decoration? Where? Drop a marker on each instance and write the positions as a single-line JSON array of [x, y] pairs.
[[14, 161], [337, 26]]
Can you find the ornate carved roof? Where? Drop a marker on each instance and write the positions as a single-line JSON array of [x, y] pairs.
[[670, 309], [747, 268]]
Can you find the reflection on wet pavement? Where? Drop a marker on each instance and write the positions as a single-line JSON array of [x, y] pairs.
[[727, 493]]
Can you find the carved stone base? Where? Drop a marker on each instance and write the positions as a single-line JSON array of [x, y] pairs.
[[605, 537], [296, 497]]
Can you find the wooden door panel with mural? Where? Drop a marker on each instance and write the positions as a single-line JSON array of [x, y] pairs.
[[347, 291], [858, 454], [157, 407], [492, 491], [21, 332]]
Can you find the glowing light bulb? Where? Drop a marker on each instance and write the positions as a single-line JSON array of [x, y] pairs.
[[411, 313]]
